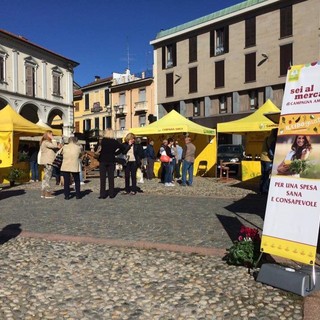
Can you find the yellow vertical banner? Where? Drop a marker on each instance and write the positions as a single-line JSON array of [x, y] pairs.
[[6, 149], [292, 217]]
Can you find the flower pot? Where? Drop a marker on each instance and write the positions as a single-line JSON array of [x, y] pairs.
[[12, 183]]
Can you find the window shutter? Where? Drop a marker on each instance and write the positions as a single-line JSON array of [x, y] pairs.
[[163, 57], [86, 99], [193, 49], [212, 43], [250, 26], [226, 39], [1, 69], [285, 58], [106, 97], [250, 67], [219, 74], [169, 84], [193, 80], [286, 21], [29, 81]]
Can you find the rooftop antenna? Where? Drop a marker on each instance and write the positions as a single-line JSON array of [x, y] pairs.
[[128, 54]]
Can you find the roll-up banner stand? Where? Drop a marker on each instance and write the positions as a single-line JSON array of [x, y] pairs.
[[291, 222]]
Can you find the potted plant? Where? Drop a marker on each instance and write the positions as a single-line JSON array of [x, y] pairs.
[[245, 251], [14, 175]]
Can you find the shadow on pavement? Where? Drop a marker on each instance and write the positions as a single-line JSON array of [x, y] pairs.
[[231, 225], [252, 204], [9, 232], [10, 193], [251, 184]]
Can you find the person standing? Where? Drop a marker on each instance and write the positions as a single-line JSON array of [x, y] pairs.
[[70, 165], [48, 149], [151, 158], [168, 166], [134, 156], [140, 163], [33, 156], [266, 160], [178, 160], [188, 156], [109, 148]]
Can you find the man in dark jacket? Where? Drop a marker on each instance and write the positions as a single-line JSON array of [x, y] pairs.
[[109, 148], [151, 158]]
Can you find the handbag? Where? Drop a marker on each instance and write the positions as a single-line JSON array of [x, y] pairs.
[[165, 158], [57, 162], [96, 154]]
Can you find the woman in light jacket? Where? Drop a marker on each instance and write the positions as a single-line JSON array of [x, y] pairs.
[[70, 165], [48, 149]]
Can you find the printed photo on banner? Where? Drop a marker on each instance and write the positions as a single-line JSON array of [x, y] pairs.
[[297, 156]]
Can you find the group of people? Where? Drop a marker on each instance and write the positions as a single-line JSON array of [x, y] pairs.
[[175, 156], [130, 154]]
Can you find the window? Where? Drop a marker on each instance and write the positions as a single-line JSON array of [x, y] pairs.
[[196, 108], [87, 125], [286, 22], [169, 84], [219, 74], [122, 98], [76, 126], [122, 123], [76, 106], [219, 41], [106, 122], [253, 97], [250, 32], [142, 120], [193, 49], [193, 80], [142, 94], [169, 56], [222, 104], [30, 80], [250, 67], [106, 97], [2, 68], [56, 81], [86, 101], [285, 58], [96, 123]]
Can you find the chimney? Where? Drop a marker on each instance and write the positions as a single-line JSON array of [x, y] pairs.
[[96, 78]]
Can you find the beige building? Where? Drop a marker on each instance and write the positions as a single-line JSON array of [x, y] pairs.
[[223, 66], [120, 102], [92, 108], [132, 101], [35, 81]]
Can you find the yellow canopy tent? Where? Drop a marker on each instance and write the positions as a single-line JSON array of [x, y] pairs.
[[12, 126], [255, 127], [177, 126]]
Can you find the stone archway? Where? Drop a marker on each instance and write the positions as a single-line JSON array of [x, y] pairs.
[[30, 112], [55, 119], [3, 103]]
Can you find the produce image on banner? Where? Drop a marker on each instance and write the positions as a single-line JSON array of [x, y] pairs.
[[292, 216]]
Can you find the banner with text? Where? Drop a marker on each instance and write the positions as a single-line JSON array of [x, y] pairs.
[[292, 217]]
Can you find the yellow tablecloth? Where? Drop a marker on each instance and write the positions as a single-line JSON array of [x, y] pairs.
[[250, 169]]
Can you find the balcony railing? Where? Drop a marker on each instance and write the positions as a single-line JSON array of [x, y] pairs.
[[141, 106], [96, 107]]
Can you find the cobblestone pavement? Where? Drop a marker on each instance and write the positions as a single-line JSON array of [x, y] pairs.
[[127, 257]]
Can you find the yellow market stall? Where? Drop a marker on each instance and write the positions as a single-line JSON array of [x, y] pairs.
[[12, 127], [255, 127], [177, 126]]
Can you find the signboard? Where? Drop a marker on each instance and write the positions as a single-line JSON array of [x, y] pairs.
[[293, 209]]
